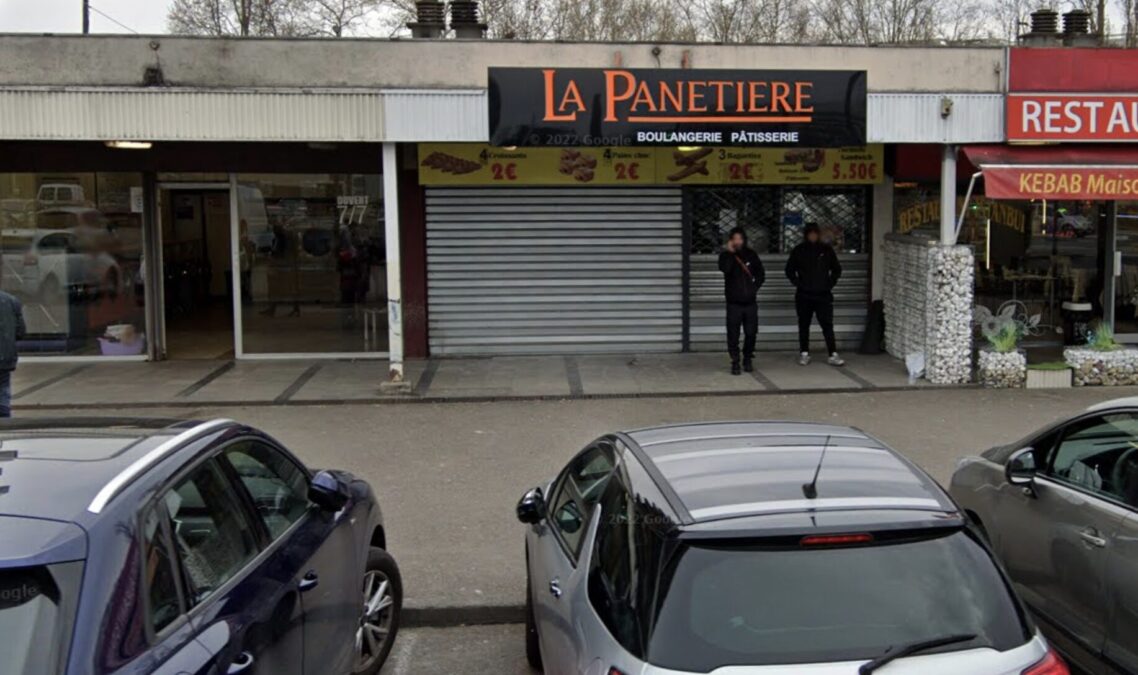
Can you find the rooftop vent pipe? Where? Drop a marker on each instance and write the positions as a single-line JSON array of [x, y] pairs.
[[1077, 29], [431, 19], [1044, 29], [464, 20]]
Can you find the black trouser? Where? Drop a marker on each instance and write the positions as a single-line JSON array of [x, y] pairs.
[[808, 307], [747, 317]]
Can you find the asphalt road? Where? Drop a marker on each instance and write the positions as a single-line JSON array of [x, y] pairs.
[[448, 474]]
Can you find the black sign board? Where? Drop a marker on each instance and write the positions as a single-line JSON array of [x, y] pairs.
[[618, 106]]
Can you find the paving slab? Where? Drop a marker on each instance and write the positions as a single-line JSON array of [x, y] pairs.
[[880, 370], [254, 381], [122, 383], [783, 370], [507, 376], [36, 375], [354, 380], [661, 373]]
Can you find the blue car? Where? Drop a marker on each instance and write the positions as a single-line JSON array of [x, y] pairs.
[[152, 546]]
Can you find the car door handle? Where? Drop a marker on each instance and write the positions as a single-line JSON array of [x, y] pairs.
[[555, 588], [309, 581], [1091, 537], [240, 664]]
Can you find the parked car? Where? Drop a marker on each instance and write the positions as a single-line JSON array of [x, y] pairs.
[[1060, 507], [763, 547], [149, 546], [50, 265]]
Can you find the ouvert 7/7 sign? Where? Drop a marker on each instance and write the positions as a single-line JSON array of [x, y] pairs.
[[678, 107]]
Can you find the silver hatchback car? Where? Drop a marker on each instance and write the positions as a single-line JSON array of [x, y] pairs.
[[1061, 509], [767, 548]]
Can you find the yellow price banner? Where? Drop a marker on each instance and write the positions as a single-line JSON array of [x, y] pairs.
[[478, 164]]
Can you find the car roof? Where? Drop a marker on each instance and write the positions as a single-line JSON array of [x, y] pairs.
[[56, 468], [740, 470], [1125, 402]]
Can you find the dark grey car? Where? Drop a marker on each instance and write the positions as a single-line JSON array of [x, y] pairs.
[[770, 548], [1061, 509]]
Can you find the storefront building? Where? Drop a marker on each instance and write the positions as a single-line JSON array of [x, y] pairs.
[[179, 198]]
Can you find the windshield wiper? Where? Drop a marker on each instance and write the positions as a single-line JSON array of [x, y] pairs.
[[896, 652]]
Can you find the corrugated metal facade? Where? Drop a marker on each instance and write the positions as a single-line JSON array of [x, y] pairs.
[[554, 270], [173, 114], [778, 323], [423, 115], [916, 118]]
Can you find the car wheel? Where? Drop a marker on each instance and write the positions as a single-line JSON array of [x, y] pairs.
[[533, 644], [379, 617]]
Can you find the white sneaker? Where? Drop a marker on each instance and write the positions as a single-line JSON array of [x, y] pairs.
[[835, 360], [804, 359]]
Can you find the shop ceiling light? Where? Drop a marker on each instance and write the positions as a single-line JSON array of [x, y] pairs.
[[130, 145]]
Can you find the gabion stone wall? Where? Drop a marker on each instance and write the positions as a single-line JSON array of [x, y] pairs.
[[904, 292], [928, 294], [948, 353]]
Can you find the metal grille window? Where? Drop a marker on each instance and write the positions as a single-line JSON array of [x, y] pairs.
[[774, 217]]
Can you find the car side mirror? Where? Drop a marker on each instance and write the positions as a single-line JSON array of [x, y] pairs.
[[327, 491], [1020, 469], [531, 507]]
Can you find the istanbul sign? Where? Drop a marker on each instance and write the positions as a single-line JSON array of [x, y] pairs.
[[631, 107]]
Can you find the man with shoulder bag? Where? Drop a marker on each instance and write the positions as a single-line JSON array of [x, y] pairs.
[[743, 275]]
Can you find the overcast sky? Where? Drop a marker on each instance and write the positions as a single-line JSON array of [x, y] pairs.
[[66, 16]]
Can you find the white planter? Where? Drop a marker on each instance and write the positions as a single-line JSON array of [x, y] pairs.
[[1094, 368], [1002, 370], [1049, 379]]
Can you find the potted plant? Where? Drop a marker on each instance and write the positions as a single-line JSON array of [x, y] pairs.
[[1001, 364], [1102, 361], [1049, 375]]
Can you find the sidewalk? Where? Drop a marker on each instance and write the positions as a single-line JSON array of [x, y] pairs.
[[315, 382]]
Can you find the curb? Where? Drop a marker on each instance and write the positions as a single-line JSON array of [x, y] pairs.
[[402, 400], [448, 617]]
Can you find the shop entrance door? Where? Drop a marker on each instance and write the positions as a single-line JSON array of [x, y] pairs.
[[196, 271], [1125, 259]]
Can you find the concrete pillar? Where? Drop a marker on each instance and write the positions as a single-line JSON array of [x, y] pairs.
[[948, 196], [394, 276]]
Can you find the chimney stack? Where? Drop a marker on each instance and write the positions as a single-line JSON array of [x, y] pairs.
[[1044, 30], [1077, 29], [464, 20], [431, 20]]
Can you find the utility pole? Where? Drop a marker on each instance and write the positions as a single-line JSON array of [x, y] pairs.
[[86, 17]]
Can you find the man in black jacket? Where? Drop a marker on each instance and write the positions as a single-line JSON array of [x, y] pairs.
[[742, 276], [814, 269]]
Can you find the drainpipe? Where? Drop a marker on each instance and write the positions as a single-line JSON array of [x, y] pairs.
[[395, 379], [948, 196]]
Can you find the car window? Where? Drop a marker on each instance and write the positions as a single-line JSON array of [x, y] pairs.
[[612, 590], [159, 576], [37, 615], [277, 486], [1098, 455], [577, 491], [55, 242], [747, 605], [211, 534]]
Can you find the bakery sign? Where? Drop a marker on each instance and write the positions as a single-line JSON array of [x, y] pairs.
[[616, 107], [1072, 117]]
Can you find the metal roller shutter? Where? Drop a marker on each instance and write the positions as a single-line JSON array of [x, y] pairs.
[[554, 270], [773, 217], [778, 323]]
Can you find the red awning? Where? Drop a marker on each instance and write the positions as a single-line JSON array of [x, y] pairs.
[[1057, 172]]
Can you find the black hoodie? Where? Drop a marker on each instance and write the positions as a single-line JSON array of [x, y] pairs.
[[743, 274], [813, 268]]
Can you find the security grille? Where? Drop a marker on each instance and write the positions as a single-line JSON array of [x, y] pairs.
[[774, 218], [554, 270]]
